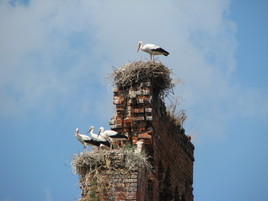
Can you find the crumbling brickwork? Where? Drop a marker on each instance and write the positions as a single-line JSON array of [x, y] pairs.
[[110, 186], [141, 115], [173, 160], [134, 112]]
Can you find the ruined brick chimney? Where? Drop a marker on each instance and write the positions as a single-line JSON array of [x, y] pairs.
[[141, 115]]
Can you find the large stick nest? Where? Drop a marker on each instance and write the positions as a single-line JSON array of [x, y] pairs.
[[127, 160], [140, 72]]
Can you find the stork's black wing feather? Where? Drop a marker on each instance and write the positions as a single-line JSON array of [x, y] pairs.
[[161, 50], [119, 136], [93, 142], [107, 143]]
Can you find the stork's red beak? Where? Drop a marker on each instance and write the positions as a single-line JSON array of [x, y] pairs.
[[138, 47]]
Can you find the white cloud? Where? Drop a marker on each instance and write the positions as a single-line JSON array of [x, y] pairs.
[[39, 66], [55, 55]]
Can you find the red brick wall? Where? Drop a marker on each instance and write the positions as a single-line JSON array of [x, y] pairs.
[[140, 114], [173, 160], [112, 186]]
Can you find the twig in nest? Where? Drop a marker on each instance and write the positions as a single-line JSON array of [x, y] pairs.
[[138, 72], [125, 160]]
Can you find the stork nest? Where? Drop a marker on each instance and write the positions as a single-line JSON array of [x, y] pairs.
[[140, 72], [127, 160]]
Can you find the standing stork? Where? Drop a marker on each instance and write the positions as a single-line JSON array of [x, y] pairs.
[[113, 136], [152, 49], [85, 140], [98, 138]]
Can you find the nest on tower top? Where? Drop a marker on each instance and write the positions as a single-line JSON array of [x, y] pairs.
[[138, 72]]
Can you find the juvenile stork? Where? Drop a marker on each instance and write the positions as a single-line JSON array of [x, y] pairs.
[[139, 146], [152, 49], [85, 140], [113, 136], [98, 138]]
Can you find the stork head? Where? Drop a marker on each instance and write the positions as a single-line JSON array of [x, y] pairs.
[[101, 130], [77, 130], [91, 128], [139, 45]]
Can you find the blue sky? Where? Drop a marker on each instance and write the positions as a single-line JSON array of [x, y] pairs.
[[54, 60]]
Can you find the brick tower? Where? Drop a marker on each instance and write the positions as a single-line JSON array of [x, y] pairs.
[[141, 115]]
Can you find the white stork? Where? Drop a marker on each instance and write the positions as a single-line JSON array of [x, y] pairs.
[[98, 138], [113, 136], [139, 146], [152, 49], [85, 140]]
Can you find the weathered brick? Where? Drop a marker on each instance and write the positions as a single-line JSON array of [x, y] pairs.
[[119, 121], [120, 108], [141, 100], [148, 110], [171, 151], [132, 94], [138, 118], [128, 120], [137, 110], [148, 118], [144, 135]]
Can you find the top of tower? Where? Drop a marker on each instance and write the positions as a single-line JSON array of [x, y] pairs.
[[139, 72]]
